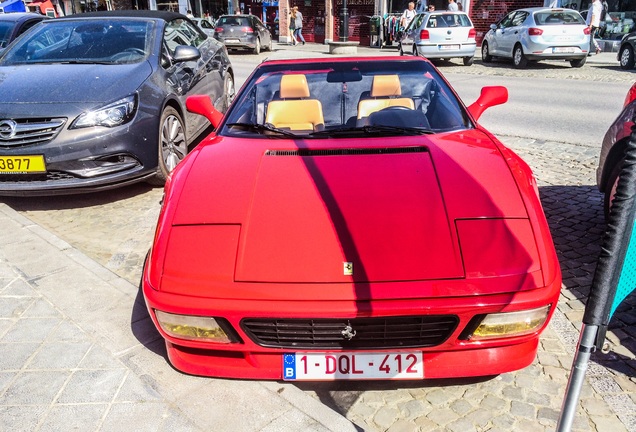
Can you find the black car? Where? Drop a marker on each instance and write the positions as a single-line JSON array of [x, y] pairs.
[[14, 24], [243, 32], [626, 56], [97, 100]]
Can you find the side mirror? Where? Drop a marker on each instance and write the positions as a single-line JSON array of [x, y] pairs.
[[202, 105], [183, 53], [489, 97], [493, 26]]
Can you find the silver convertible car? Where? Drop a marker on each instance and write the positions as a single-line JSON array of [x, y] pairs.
[[97, 100], [535, 34]]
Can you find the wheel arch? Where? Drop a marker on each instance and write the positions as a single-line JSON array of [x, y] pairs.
[[616, 153]]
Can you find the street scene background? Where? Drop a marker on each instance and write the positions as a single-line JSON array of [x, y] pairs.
[[555, 119]]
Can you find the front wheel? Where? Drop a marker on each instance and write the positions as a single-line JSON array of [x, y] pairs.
[[485, 53], [578, 62], [626, 57], [468, 61], [228, 92], [519, 60], [173, 145], [257, 48]]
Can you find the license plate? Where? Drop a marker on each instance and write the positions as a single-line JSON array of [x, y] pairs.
[[353, 366], [448, 47], [561, 50], [232, 41], [22, 164]]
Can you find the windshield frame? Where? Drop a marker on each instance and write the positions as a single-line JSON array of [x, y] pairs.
[[54, 40], [419, 80]]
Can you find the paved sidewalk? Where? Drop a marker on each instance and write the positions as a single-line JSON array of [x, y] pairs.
[[79, 353]]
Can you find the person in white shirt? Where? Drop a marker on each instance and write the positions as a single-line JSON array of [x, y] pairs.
[[452, 6], [408, 15], [593, 21]]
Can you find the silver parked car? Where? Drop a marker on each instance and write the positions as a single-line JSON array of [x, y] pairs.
[[205, 25], [538, 34], [243, 32], [440, 35]]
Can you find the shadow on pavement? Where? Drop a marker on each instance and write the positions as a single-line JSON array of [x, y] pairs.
[[342, 395], [75, 201], [577, 224]]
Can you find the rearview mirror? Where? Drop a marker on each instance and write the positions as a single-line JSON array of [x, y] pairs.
[[202, 105], [489, 97]]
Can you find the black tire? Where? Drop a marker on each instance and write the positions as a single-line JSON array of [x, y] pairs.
[[257, 48], [626, 57], [228, 92], [610, 190], [172, 146], [270, 46], [518, 59], [485, 53], [578, 62], [468, 61]]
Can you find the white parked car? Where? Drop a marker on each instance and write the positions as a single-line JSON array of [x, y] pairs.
[[440, 35], [533, 34]]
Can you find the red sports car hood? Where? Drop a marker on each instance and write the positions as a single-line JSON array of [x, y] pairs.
[[344, 210]]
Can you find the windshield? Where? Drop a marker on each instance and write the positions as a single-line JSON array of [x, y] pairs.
[[6, 28], [344, 99], [83, 41]]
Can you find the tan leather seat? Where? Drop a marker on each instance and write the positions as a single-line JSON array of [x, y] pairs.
[[385, 92], [295, 111]]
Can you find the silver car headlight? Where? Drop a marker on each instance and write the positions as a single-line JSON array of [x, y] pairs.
[[113, 114]]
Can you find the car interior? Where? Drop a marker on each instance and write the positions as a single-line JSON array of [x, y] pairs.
[[317, 101]]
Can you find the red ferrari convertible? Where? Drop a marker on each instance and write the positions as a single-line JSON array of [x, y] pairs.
[[350, 219]]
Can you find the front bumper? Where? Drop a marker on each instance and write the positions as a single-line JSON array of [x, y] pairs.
[[446, 50], [455, 357], [88, 160]]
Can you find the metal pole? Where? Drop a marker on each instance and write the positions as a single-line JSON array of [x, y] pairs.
[[584, 350], [344, 22]]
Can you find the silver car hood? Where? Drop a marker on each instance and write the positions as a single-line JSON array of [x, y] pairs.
[[77, 84]]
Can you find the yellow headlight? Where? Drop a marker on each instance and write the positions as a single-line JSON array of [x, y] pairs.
[[510, 324], [190, 327]]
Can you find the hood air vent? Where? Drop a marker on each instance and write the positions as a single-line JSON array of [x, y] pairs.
[[346, 152]]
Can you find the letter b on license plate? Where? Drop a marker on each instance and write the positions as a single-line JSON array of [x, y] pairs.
[[353, 366]]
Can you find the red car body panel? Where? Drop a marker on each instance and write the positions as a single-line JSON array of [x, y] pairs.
[[257, 228]]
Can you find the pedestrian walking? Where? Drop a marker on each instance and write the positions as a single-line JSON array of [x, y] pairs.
[[292, 26], [298, 35], [593, 21]]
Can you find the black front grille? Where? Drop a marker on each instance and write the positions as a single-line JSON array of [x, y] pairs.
[[31, 178], [370, 333]]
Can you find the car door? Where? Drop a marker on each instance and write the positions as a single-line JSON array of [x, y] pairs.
[[411, 33], [263, 32], [514, 32], [200, 76], [501, 34]]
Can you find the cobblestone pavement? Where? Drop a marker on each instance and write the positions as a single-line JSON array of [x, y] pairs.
[[115, 228]]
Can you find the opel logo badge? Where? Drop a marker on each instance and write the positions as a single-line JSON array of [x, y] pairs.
[[7, 129], [348, 333]]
